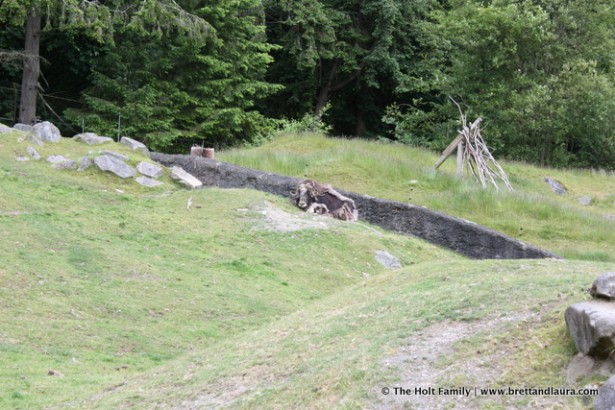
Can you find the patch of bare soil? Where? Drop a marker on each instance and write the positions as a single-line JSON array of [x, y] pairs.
[[268, 217], [429, 385]]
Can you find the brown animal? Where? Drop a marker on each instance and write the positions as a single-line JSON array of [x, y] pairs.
[[316, 198]]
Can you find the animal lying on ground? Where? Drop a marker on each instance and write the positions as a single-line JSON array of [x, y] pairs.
[[316, 198]]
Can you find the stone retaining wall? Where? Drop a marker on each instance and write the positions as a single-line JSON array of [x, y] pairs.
[[459, 235]]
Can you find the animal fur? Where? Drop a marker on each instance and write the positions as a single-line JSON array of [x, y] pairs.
[[314, 197]]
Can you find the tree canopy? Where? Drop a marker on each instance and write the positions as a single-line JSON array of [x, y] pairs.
[[174, 73]]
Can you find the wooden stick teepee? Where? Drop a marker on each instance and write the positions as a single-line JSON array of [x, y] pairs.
[[472, 150]]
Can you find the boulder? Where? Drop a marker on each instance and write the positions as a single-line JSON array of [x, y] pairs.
[[604, 286], [32, 137], [606, 396], [116, 155], [61, 162], [556, 186], [184, 178], [585, 200], [591, 325], [150, 170], [148, 182], [387, 260], [46, 131], [4, 128], [85, 163], [114, 165], [22, 127], [134, 145], [585, 366], [33, 153], [92, 139]]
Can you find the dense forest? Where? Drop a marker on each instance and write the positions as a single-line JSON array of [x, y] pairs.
[[541, 73]]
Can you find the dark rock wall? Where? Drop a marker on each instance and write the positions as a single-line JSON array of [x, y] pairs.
[[461, 236]]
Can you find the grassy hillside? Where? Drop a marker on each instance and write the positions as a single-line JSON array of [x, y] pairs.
[[117, 296], [101, 278], [533, 213]]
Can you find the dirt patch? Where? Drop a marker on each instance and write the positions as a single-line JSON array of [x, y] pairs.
[[430, 385], [269, 217]]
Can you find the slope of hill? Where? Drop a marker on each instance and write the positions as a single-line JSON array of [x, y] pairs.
[[113, 295], [533, 213]]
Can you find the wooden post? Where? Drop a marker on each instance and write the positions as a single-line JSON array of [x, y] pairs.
[[209, 153], [448, 151], [460, 159]]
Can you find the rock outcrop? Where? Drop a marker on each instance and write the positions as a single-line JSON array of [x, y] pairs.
[[556, 186], [604, 286], [33, 153], [61, 162], [150, 170], [115, 165], [148, 182], [606, 396], [592, 327], [47, 132], [387, 260], [134, 145], [91, 138], [184, 178], [459, 235]]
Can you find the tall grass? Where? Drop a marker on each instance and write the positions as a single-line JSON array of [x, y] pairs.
[[532, 213]]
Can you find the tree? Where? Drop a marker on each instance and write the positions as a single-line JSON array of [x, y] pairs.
[[93, 18], [354, 54], [540, 73], [173, 90]]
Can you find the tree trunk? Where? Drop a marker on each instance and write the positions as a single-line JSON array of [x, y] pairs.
[[361, 126], [31, 68], [325, 90]]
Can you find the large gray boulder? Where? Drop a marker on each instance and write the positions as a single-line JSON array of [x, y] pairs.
[[184, 178], [591, 325], [606, 396], [604, 286], [92, 139], [150, 170], [4, 128], [556, 186], [112, 164], [46, 131], [134, 145]]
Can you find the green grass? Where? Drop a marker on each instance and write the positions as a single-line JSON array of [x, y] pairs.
[[102, 278], [532, 213], [136, 301], [329, 354]]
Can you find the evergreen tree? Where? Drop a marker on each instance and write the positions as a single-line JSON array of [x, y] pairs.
[[178, 90], [92, 18], [352, 54]]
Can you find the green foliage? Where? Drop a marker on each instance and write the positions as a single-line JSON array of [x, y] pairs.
[[169, 87], [308, 124], [539, 74], [353, 54]]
